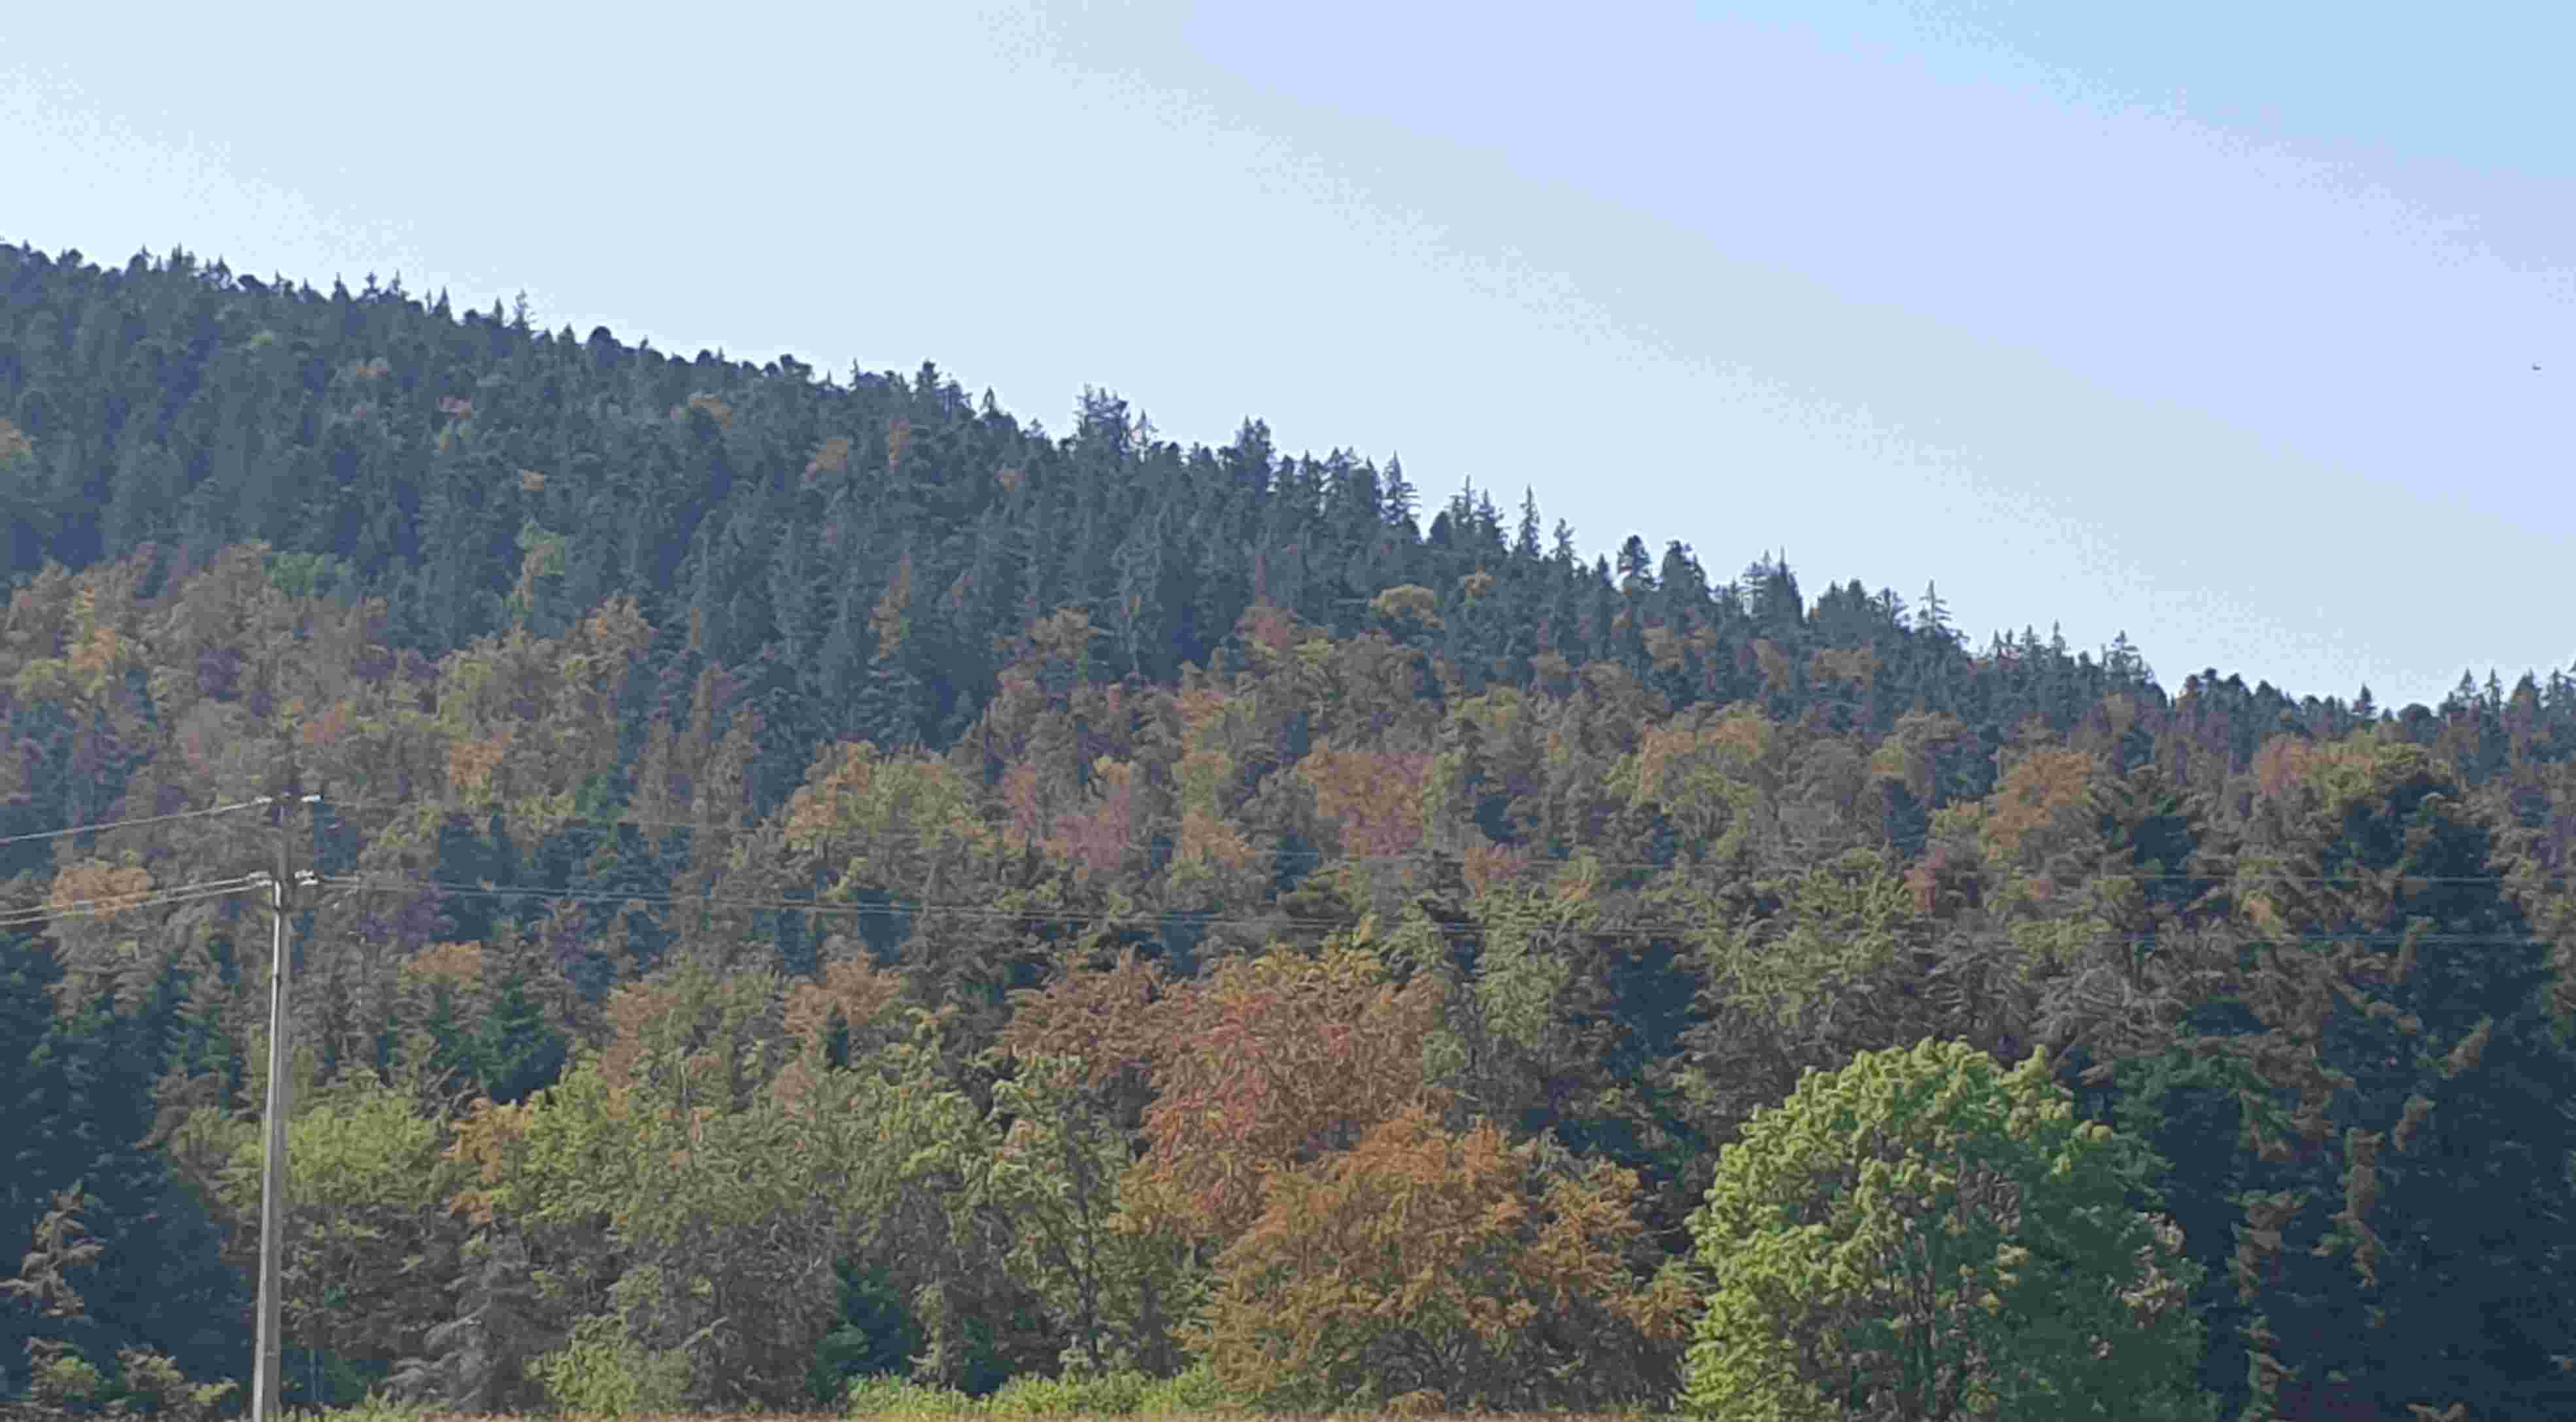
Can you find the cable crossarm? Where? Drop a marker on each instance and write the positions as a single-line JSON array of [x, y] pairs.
[[142, 820], [107, 904]]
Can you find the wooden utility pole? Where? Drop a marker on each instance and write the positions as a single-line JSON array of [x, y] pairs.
[[272, 1188]]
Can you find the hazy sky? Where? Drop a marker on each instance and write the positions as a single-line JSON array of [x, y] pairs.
[[2214, 323]]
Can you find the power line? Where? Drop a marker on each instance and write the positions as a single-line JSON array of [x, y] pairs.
[[823, 907], [113, 902], [1321, 858], [143, 820], [123, 903], [916, 839], [1193, 919], [336, 800]]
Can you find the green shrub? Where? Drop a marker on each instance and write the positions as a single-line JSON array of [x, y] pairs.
[[1118, 1394], [380, 1407], [1196, 1390], [601, 1372], [1099, 1394], [884, 1395]]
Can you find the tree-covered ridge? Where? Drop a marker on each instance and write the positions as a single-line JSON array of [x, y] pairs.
[[826, 877], [863, 544]]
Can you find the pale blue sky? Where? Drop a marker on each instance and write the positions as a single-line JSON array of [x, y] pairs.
[[2210, 322]]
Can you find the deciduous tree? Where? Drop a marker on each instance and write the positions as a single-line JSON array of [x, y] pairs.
[[1925, 1234], [1451, 1270]]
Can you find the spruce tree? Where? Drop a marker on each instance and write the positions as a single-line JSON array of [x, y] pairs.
[[2379, 1092]]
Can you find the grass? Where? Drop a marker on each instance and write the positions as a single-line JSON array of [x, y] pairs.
[[378, 1413], [1188, 1398]]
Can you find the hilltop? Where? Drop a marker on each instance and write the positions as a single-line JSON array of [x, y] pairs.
[[711, 753]]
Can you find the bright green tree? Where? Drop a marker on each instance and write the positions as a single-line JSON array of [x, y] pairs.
[[370, 1241], [1926, 1234], [1052, 1167]]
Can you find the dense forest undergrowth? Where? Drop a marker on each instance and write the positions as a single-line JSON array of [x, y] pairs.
[[825, 880]]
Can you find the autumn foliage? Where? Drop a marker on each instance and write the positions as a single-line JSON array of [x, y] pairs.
[[1444, 1270], [1270, 1064], [819, 880]]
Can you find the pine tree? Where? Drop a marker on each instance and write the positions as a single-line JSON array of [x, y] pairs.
[[2405, 1213], [1525, 544], [478, 1359], [1398, 501], [1932, 615], [1635, 566], [79, 1110]]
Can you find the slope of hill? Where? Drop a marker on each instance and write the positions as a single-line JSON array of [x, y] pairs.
[[713, 757]]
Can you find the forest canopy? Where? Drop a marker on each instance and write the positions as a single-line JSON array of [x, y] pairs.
[[822, 877]]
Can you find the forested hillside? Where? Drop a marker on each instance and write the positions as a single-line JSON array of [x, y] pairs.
[[823, 877]]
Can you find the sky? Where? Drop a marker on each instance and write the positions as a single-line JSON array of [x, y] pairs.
[[2213, 324]]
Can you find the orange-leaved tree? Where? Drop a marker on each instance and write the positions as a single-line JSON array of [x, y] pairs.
[[1436, 1269], [1269, 1063]]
